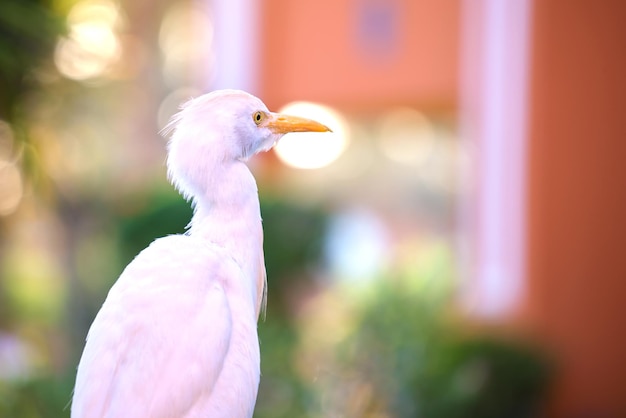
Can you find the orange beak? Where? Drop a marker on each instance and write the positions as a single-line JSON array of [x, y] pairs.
[[283, 124]]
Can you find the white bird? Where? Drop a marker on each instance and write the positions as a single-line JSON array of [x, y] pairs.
[[176, 335]]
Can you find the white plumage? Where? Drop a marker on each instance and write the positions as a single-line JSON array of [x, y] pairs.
[[176, 335]]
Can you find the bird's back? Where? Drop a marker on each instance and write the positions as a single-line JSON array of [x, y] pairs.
[[176, 337]]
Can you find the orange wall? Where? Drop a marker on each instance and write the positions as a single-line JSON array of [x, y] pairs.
[[327, 51], [577, 188]]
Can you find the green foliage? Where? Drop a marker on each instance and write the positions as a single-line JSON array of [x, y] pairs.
[[484, 377], [156, 214], [293, 244], [423, 365], [28, 33], [39, 397], [282, 393], [293, 238]]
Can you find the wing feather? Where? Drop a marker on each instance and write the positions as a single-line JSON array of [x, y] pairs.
[[158, 344]]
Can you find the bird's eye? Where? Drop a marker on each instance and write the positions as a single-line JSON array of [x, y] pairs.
[[258, 117]]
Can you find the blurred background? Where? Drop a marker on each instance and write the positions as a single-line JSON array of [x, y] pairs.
[[455, 249]]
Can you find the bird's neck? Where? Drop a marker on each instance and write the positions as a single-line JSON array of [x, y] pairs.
[[227, 213]]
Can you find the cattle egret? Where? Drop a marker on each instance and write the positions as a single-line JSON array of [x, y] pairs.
[[176, 335]]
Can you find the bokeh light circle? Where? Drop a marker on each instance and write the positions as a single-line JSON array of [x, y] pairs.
[[308, 150]]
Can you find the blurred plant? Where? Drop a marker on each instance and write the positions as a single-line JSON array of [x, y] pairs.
[[293, 240], [41, 397], [28, 33], [293, 237], [484, 376], [156, 214], [407, 357]]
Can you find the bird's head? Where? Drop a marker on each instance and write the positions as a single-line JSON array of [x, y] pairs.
[[232, 124], [223, 126]]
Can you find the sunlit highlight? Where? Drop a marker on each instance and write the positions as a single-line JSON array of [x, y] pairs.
[[186, 41], [103, 11], [92, 45], [313, 150], [406, 136], [11, 189]]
